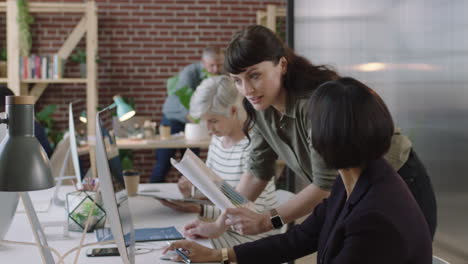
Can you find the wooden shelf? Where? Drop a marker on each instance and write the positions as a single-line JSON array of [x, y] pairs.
[[51, 7], [86, 27], [64, 80], [268, 18], [3, 80]]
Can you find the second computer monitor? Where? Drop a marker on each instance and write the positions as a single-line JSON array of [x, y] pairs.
[[74, 146], [113, 191]]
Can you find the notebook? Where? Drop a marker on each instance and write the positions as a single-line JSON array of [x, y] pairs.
[[143, 234], [166, 191]]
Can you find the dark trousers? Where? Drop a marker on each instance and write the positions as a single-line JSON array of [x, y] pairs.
[[416, 177], [163, 156]]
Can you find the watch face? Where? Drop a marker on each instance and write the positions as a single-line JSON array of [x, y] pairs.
[[276, 221]]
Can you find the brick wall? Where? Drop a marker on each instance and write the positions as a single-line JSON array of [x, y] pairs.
[[141, 44]]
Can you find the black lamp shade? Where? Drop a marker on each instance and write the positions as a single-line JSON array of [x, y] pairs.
[[24, 165]]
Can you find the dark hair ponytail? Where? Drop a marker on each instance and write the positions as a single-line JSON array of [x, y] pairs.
[[256, 44], [251, 118]]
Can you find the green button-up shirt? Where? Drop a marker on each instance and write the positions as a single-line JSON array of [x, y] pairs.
[[288, 137]]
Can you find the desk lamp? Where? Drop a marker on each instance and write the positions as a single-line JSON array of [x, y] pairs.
[[124, 110], [24, 165], [83, 117]]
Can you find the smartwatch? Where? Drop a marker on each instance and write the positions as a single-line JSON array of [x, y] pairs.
[[276, 219], [224, 256]]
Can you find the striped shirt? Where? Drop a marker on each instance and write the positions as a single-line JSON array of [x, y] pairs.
[[230, 164]]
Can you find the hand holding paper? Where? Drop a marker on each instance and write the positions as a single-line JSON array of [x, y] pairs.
[[202, 177]]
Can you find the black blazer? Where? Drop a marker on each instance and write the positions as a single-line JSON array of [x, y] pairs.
[[379, 223]]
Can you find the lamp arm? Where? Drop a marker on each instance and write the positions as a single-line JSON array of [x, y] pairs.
[[77, 101], [108, 107]]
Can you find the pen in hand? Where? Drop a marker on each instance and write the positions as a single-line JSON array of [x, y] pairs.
[[181, 253], [184, 257]]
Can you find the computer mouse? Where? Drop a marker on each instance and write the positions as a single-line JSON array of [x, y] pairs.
[[169, 255]]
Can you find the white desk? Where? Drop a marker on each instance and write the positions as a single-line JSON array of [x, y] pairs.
[[175, 141], [146, 212]]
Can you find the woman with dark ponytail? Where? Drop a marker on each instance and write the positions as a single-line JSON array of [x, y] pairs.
[[277, 84], [257, 44]]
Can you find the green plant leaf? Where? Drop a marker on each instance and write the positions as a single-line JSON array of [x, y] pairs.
[[24, 22], [206, 74], [46, 112], [184, 94], [171, 84], [80, 57], [195, 120], [127, 163], [45, 118], [3, 54], [126, 157], [55, 138]]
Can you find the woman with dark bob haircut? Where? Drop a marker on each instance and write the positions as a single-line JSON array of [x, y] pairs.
[[370, 216], [277, 84]]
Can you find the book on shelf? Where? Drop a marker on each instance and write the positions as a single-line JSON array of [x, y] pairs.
[[41, 67], [57, 67], [44, 67], [37, 67]]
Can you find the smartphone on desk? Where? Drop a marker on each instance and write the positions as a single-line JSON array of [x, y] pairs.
[[102, 252]]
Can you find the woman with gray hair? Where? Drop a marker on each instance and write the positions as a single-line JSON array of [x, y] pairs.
[[217, 102], [216, 95]]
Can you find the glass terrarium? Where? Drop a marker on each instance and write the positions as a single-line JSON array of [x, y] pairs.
[[79, 205]]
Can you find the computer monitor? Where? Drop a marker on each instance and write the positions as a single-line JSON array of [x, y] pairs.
[[74, 146], [113, 191], [71, 149]]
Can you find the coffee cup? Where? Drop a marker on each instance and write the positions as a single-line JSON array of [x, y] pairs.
[[165, 132], [132, 180]]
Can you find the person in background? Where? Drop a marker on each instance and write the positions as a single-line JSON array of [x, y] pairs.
[[276, 84], [369, 217], [217, 102], [39, 130], [175, 114]]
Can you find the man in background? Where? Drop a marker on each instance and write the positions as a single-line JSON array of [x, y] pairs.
[[175, 114]]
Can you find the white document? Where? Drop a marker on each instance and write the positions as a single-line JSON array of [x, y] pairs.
[[203, 178]]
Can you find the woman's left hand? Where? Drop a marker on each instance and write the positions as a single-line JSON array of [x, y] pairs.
[[185, 187], [196, 252], [201, 229], [185, 207]]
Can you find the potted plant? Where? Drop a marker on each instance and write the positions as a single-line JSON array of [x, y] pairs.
[[126, 157], [79, 206], [80, 57], [185, 92], [45, 118]]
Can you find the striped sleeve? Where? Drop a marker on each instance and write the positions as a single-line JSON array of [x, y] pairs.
[[230, 164], [210, 212]]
